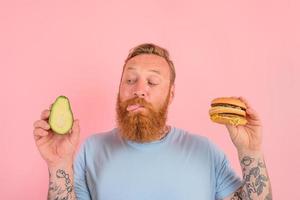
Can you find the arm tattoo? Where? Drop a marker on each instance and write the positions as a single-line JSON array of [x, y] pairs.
[[237, 196], [256, 181], [62, 174], [247, 160], [61, 192]]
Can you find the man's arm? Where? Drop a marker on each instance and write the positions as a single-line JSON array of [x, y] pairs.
[[61, 183], [256, 182], [58, 151], [248, 142]]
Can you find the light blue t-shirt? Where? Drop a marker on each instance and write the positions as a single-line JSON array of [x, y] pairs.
[[181, 166]]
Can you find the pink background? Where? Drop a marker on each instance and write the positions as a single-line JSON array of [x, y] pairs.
[[77, 48]]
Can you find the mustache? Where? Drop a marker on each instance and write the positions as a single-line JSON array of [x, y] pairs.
[[137, 100]]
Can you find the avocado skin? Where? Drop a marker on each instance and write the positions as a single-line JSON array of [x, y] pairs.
[[68, 114]]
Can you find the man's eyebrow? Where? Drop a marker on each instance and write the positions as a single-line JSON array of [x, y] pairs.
[[132, 68], [155, 71], [151, 70]]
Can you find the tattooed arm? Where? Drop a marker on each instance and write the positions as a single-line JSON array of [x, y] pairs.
[[56, 149], [61, 183], [256, 182], [248, 142]]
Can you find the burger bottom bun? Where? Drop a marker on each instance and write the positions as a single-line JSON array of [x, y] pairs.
[[234, 120]]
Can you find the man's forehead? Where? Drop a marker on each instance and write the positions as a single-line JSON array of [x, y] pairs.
[[157, 71], [149, 62]]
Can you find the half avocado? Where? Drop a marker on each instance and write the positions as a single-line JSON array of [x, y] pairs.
[[61, 116]]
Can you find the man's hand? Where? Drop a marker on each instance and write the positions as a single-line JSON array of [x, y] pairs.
[[55, 149], [58, 151], [247, 138]]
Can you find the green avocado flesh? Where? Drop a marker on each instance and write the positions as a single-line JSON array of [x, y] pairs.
[[61, 116]]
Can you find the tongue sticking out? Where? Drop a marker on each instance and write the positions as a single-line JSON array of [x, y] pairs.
[[133, 107]]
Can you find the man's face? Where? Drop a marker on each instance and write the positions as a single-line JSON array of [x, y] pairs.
[[143, 98]]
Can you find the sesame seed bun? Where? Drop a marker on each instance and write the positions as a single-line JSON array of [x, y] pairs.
[[229, 100]]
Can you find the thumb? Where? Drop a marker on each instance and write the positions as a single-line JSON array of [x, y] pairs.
[[232, 130], [75, 132]]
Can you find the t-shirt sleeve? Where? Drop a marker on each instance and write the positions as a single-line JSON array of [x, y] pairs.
[[227, 181], [80, 181]]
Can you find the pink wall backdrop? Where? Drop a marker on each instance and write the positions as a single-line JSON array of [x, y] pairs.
[[77, 48]]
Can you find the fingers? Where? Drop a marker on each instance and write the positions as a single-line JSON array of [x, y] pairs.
[[41, 124], [75, 127], [40, 129], [75, 132], [252, 114], [45, 114], [250, 111], [39, 133], [243, 99]]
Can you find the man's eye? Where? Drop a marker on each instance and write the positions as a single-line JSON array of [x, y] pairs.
[[152, 83], [130, 81]]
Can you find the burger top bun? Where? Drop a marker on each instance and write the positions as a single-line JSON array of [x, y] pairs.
[[229, 100]]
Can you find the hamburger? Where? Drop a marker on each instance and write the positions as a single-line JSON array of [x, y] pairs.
[[228, 110]]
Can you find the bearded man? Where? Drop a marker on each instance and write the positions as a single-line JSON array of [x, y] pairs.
[[144, 158]]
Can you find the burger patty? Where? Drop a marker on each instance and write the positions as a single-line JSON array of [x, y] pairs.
[[230, 114], [228, 105]]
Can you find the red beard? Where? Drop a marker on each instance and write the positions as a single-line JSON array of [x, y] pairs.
[[142, 126]]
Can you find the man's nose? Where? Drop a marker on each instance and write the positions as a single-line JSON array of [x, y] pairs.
[[139, 94], [140, 90]]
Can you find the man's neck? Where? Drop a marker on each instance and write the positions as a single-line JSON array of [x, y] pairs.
[[165, 132]]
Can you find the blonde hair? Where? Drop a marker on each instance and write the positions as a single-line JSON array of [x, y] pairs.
[[149, 48]]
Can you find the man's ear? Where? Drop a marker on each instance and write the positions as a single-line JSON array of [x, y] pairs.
[[172, 93]]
